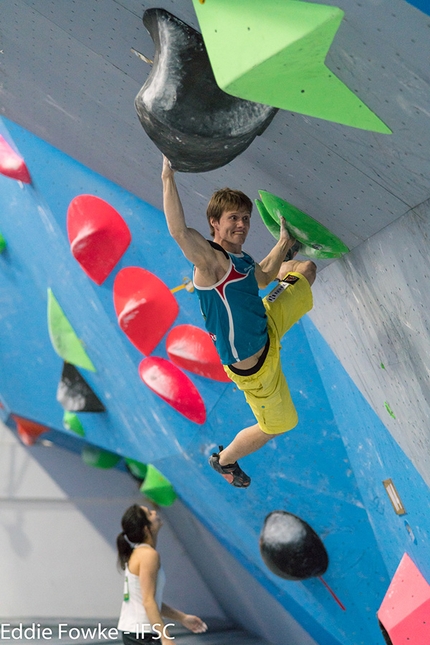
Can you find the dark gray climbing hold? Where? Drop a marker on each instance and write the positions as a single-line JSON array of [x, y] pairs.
[[290, 548], [194, 123], [74, 393]]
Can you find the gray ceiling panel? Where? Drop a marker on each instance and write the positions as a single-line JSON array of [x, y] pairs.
[[111, 38], [386, 54]]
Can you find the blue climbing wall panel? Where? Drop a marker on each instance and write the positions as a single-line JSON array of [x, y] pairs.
[[328, 471], [422, 5]]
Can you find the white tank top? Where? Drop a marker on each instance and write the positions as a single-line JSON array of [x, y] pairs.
[[133, 617]]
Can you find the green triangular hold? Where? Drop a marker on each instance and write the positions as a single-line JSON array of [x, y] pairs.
[[99, 458], [273, 52], [3, 243], [136, 468], [63, 337], [157, 488], [71, 422]]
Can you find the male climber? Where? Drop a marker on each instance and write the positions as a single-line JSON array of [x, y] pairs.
[[245, 328]]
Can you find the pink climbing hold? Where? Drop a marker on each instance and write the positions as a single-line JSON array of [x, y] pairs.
[[98, 235], [145, 307], [11, 164], [405, 610], [192, 349], [174, 387], [28, 431]]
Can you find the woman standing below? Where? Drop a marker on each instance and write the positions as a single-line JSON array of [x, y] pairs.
[[142, 608]]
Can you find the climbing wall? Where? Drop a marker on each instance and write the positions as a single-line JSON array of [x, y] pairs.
[[372, 308], [356, 467], [354, 182], [314, 472]]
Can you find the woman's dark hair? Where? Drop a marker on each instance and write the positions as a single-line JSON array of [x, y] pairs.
[[134, 521]]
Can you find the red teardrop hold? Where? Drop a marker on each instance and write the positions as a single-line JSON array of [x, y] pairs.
[[11, 164], [145, 307], [98, 235], [192, 349], [28, 431], [174, 387]]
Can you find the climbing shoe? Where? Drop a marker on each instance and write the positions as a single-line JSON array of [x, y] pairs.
[[233, 473], [293, 251]]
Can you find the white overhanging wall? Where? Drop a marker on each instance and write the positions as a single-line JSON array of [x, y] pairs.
[[372, 307]]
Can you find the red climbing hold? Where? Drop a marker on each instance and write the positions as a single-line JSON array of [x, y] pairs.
[[405, 610], [192, 349], [98, 235], [145, 307], [28, 431], [11, 164], [174, 387]]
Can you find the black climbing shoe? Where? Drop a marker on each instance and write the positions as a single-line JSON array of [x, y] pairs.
[[233, 473], [292, 252]]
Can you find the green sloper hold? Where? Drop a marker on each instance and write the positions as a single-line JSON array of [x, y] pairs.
[[99, 458], [71, 422], [318, 242], [157, 488], [3, 243], [273, 52], [273, 227], [137, 469], [63, 337]]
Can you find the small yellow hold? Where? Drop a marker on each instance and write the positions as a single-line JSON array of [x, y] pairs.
[[186, 284]]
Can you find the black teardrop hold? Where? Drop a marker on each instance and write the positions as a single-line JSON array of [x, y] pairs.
[[188, 117], [290, 548]]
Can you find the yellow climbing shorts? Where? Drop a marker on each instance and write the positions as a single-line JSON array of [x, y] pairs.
[[266, 391]]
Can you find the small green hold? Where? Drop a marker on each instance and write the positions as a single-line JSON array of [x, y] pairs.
[[71, 422], [3, 244], [157, 488], [137, 468], [382, 366], [389, 410], [99, 458]]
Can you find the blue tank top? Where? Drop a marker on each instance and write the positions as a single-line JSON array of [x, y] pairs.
[[233, 311]]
